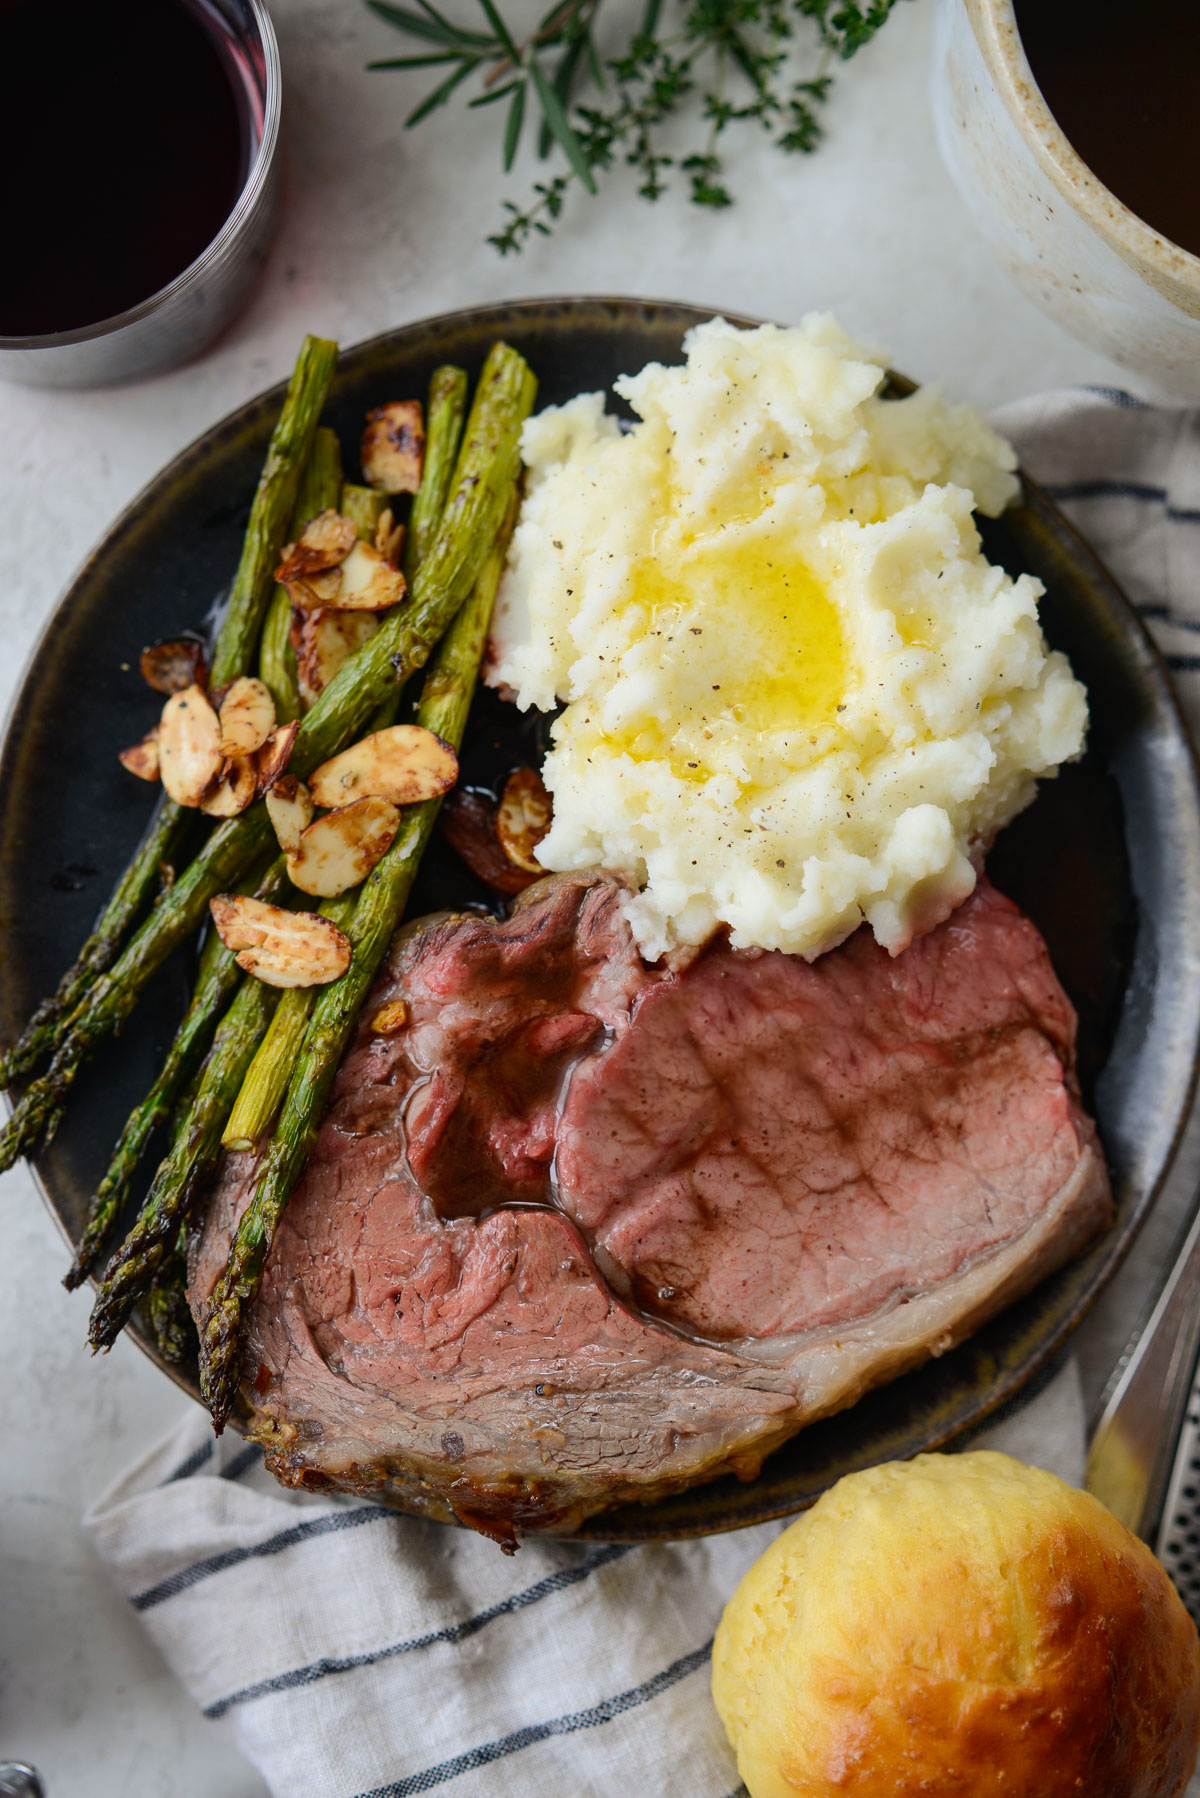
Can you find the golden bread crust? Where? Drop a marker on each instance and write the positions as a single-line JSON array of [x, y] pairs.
[[959, 1626]]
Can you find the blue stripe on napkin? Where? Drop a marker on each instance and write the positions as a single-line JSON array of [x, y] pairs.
[[604, 1712]]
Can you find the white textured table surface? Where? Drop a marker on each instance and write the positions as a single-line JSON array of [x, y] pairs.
[[381, 226]]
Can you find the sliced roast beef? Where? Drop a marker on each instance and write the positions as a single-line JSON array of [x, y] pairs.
[[585, 1231]]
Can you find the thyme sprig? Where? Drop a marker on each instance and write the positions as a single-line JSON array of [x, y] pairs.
[[719, 63]]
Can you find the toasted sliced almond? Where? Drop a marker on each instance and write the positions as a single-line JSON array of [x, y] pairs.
[[385, 525], [390, 1018], [323, 641], [468, 823], [326, 538], [282, 948], [404, 763], [235, 789], [189, 746], [393, 447], [340, 849], [142, 758], [335, 569], [311, 567], [524, 816], [247, 716], [315, 590], [390, 537], [368, 584], [393, 549], [325, 541], [290, 809], [174, 664], [272, 759]]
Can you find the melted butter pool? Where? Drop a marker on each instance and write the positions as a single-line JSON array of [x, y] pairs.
[[748, 642]]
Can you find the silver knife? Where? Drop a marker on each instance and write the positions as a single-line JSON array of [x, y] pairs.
[[1144, 1457]]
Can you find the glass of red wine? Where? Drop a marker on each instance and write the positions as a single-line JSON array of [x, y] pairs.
[[138, 175]]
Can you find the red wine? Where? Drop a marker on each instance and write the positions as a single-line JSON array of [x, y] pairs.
[[1123, 81], [126, 136]]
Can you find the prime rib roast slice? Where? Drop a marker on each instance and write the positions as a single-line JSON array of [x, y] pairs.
[[586, 1231]]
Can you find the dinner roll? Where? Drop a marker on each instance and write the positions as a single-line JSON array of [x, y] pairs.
[[958, 1625]]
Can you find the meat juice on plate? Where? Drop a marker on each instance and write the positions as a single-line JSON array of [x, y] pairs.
[[126, 136]]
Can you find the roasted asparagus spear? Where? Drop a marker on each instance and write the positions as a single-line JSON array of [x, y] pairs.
[[215, 985], [267, 1078], [287, 455], [237, 638], [167, 1311], [151, 1242], [377, 913], [319, 489], [444, 413], [481, 487], [364, 507]]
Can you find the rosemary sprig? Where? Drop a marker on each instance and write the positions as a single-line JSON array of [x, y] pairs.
[[720, 62]]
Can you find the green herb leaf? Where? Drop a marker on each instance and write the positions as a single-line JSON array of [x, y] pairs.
[[557, 120], [512, 126], [501, 29], [720, 63], [441, 94], [435, 28], [563, 82], [495, 94], [415, 62]]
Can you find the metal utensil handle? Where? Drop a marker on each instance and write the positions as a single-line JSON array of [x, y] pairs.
[[1178, 1545], [1132, 1450], [18, 1780]]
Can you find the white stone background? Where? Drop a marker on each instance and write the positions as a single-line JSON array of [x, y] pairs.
[[381, 226]]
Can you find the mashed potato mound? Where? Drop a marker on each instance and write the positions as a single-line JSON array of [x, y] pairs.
[[797, 694]]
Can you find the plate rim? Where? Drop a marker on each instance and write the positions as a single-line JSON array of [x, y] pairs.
[[628, 307]]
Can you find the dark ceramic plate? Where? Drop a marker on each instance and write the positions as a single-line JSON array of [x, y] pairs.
[[1107, 860]]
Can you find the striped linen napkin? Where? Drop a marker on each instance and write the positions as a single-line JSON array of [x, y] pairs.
[[365, 1655]]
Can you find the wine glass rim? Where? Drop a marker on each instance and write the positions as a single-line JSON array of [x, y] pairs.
[[243, 210]]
